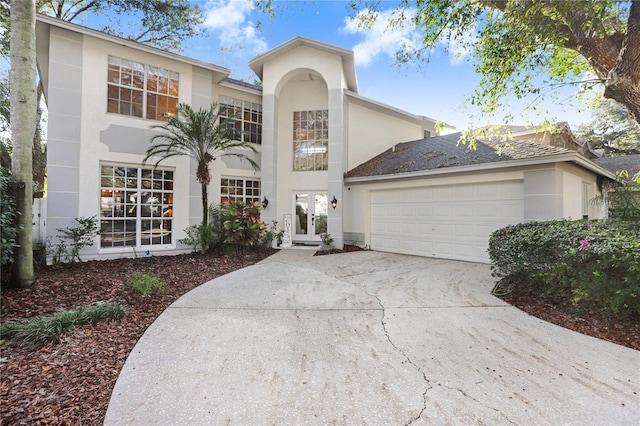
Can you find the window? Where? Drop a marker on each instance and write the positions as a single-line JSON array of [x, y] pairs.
[[141, 90], [310, 140], [247, 117], [237, 189], [136, 206]]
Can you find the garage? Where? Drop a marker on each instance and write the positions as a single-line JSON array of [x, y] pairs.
[[447, 221]]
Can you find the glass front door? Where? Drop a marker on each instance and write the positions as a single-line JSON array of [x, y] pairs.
[[310, 215]]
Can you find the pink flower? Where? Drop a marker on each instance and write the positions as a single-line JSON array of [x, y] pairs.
[[583, 245]]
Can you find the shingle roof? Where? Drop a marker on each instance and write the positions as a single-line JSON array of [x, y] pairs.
[[630, 163], [243, 84], [444, 151]]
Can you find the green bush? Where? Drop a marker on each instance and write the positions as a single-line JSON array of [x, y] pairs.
[[210, 237], [73, 239], [145, 284], [42, 330], [8, 213], [243, 226], [595, 263]]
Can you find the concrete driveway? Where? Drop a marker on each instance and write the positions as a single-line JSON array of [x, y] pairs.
[[367, 338]]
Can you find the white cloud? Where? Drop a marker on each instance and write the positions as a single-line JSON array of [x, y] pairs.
[[229, 20], [380, 39], [383, 40]]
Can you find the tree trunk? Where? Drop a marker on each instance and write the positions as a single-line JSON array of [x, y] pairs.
[[623, 81], [23, 126]]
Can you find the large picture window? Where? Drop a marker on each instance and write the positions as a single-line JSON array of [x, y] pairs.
[[141, 90], [247, 117], [136, 206], [238, 189], [310, 140]]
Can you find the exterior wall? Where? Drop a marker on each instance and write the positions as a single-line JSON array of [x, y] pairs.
[[65, 105], [574, 180], [556, 192], [372, 132], [82, 135], [288, 88]]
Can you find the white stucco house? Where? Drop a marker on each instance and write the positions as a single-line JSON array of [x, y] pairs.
[[395, 185]]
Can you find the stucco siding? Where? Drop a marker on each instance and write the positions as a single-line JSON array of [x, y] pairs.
[[64, 100], [372, 132]]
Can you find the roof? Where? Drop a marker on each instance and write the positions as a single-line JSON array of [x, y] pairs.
[[445, 153], [257, 63], [243, 84], [630, 163], [219, 72]]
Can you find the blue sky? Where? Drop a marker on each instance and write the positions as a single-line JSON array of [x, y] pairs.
[[236, 32]]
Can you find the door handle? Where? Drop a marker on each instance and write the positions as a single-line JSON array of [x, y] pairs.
[[313, 219]]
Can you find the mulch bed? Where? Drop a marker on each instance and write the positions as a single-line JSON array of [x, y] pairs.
[[625, 332], [71, 382]]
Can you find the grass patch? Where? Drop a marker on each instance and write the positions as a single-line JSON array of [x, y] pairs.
[[42, 330], [145, 284]]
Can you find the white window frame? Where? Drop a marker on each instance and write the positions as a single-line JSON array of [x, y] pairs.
[[247, 116], [234, 184], [310, 141], [116, 208], [171, 94]]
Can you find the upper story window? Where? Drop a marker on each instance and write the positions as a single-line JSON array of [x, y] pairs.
[[141, 90], [247, 117], [310, 140]]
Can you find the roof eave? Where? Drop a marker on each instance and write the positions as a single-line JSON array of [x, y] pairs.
[[557, 158], [241, 88], [257, 63], [219, 72]]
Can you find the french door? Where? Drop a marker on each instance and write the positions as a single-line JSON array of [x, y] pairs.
[[310, 211]]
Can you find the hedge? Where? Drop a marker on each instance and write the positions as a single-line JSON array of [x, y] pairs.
[[594, 262]]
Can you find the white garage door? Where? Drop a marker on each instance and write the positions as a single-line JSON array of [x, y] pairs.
[[449, 221]]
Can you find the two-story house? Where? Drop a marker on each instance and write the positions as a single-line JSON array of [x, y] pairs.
[[318, 141]]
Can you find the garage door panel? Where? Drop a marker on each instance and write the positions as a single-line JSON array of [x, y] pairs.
[[445, 221], [443, 211]]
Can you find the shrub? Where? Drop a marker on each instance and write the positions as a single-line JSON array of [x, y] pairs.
[[145, 284], [73, 239], [8, 213], [272, 234], [327, 242], [243, 226], [594, 263], [210, 237], [42, 330]]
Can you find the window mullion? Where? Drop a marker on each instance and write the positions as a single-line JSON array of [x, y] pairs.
[[138, 198]]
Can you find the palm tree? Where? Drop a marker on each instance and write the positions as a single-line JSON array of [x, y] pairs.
[[202, 136]]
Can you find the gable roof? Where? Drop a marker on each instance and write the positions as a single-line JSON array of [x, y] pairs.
[[445, 154], [348, 64]]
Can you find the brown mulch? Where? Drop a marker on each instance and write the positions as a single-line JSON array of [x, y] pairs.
[[623, 331], [347, 249], [71, 382]]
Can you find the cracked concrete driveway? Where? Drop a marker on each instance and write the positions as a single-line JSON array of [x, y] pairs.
[[367, 338]]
